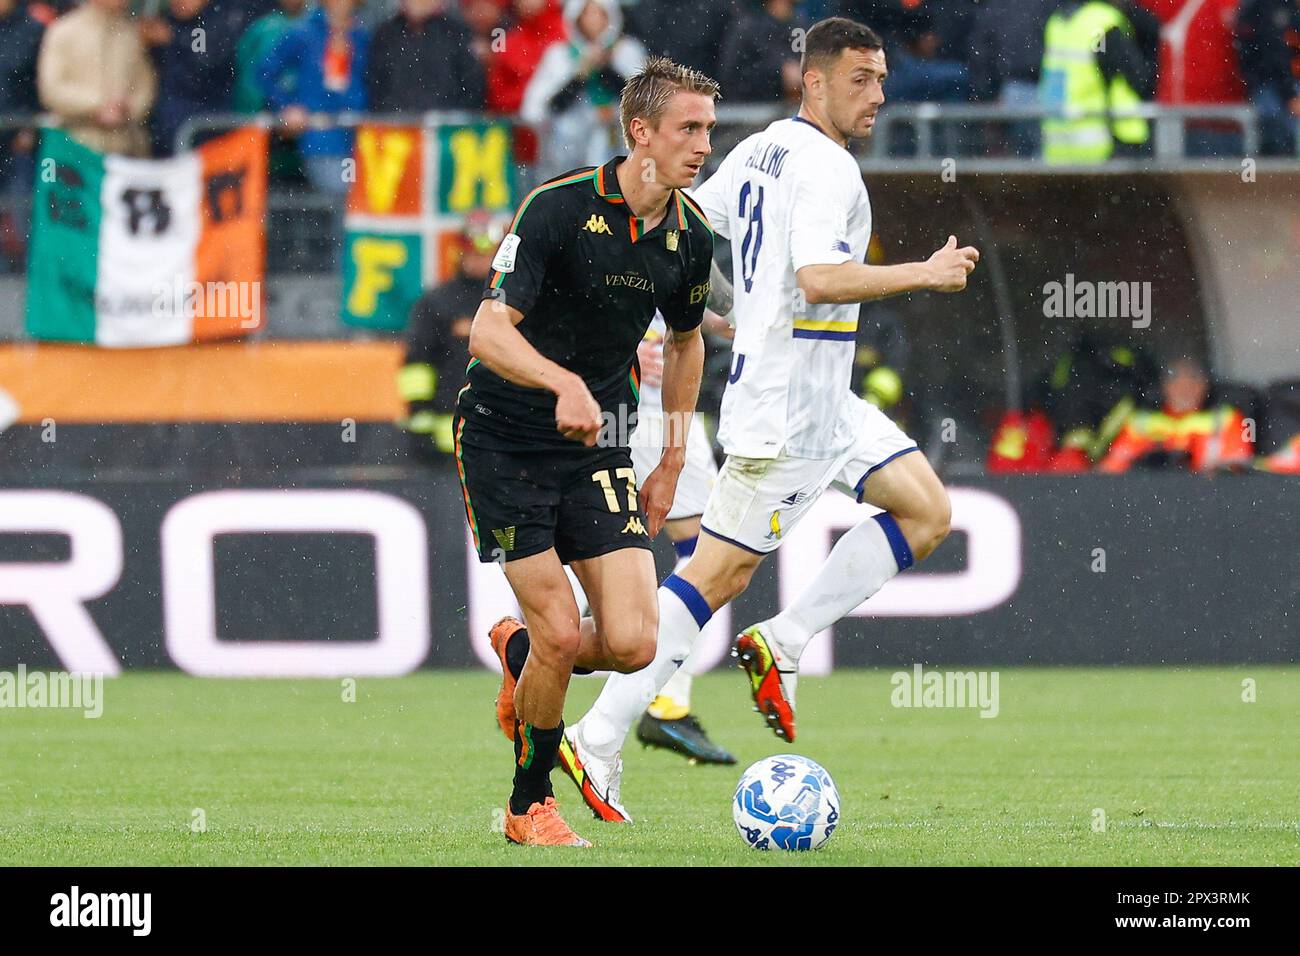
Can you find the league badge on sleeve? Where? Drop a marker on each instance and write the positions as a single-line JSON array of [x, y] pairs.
[[504, 261]]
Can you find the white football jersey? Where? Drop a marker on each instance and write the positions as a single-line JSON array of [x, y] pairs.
[[786, 198], [652, 395]]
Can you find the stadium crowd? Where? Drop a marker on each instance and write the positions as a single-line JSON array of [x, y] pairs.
[[126, 81], [125, 76]]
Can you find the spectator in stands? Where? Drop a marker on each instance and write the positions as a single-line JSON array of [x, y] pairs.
[[482, 17], [94, 74], [895, 20], [880, 357], [1075, 410], [1146, 35], [437, 338], [537, 24], [20, 44], [423, 59], [759, 62], [690, 32], [1198, 65], [917, 71], [952, 21], [1004, 58], [575, 91], [1184, 432], [255, 43], [1268, 45], [1092, 64], [324, 56], [193, 48]]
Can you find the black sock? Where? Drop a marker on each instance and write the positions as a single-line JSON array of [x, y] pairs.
[[517, 646], [535, 750], [517, 652]]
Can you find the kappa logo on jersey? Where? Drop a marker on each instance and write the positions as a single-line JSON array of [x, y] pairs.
[[597, 225], [634, 526], [505, 537]]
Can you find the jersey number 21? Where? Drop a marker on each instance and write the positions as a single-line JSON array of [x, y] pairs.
[[751, 211]]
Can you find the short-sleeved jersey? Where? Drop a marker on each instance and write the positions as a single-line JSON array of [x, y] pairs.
[[588, 277], [788, 197]]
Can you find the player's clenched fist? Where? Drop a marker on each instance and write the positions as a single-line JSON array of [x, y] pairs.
[[950, 266], [577, 415]]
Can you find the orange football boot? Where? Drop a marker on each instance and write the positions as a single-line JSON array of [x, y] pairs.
[[542, 825], [500, 636]]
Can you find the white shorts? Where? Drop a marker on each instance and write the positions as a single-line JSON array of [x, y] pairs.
[[757, 501], [698, 474]]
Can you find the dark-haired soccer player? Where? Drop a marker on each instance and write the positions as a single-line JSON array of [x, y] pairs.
[[792, 201], [547, 476]]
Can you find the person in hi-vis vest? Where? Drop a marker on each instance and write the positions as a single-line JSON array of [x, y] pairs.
[[1092, 74]]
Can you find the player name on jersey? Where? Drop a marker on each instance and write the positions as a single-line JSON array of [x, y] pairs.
[[768, 158]]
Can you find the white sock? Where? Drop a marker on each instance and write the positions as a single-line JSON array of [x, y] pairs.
[[864, 558], [678, 688], [626, 696]]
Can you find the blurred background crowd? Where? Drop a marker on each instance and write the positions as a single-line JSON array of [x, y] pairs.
[[140, 77], [127, 75]]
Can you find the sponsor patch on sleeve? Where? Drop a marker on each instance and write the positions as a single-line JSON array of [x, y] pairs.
[[504, 261]]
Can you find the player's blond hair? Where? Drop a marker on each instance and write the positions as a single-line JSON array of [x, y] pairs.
[[647, 92]]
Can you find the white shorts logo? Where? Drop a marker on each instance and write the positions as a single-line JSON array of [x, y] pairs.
[[505, 257]]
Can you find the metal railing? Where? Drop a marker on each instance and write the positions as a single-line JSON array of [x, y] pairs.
[[908, 138], [211, 122], [1169, 128], [925, 120]]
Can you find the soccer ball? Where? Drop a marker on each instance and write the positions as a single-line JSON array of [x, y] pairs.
[[786, 802]]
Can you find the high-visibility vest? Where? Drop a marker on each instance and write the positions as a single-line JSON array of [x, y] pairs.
[[1211, 438], [1072, 83]]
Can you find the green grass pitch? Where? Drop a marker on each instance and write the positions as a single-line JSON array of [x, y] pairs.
[[414, 772]]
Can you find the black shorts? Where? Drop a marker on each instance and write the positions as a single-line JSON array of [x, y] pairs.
[[582, 502]]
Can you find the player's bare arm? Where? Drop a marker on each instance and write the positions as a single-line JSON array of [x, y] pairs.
[[718, 317], [719, 325], [945, 271], [722, 296], [683, 368], [496, 342]]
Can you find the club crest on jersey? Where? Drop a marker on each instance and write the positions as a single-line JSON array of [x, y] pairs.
[[505, 537], [774, 527], [670, 240], [597, 225]]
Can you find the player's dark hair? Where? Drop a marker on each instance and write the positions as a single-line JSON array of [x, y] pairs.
[[826, 38]]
